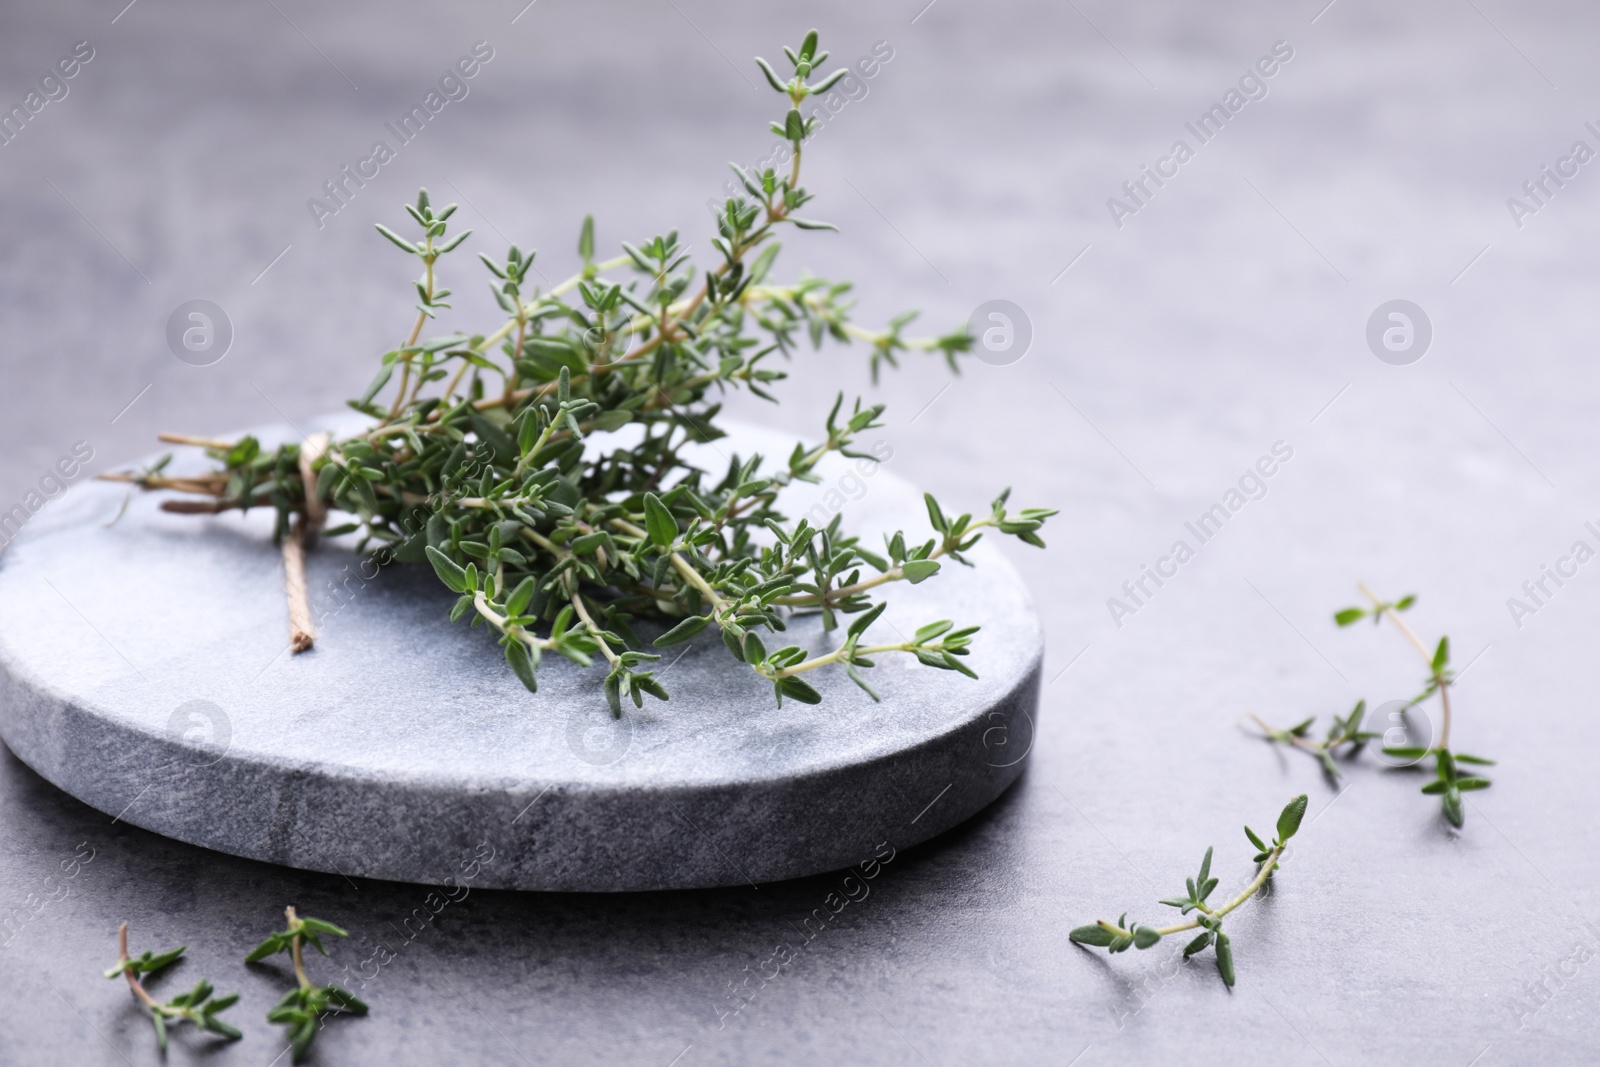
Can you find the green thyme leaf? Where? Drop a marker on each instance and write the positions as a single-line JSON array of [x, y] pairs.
[[1225, 959], [1289, 819], [683, 631], [663, 527], [1092, 934]]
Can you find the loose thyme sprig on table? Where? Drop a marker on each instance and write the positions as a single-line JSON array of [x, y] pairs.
[[1448, 783], [303, 1007], [477, 461], [1345, 730], [198, 1006], [1121, 936]]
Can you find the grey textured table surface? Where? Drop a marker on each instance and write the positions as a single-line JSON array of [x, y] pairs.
[[1226, 314]]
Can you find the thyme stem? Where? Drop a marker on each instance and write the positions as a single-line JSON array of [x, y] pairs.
[[1121, 935], [294, 948], [1439, 676], [127, 970], [583, 613], [893, 574]]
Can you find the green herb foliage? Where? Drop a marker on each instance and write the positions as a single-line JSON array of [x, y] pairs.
[[1122, 935], [491, 456], [1448, 783], [200, 1006], [302, 1008], [1345, 730]]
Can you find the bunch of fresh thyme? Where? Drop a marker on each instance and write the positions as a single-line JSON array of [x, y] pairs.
[[492, 456], [1121, 936]]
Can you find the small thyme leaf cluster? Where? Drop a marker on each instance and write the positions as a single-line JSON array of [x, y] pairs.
[[1448, 783], [198, 1007], [302, 1008], [541, 467], [1342, 731], [1121, 936]]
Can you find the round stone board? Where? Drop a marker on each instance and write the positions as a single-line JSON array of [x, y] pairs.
[[144, 669]]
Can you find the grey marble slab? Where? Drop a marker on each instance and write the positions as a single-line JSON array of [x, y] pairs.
[[401, 744]]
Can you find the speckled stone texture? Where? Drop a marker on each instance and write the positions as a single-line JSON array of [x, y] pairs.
[[402, 744]]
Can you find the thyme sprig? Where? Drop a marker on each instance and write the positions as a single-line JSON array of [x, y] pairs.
[[1344, 730], [1122, 935], [500, 458], [199, 1006], [303, 1008], [1449, 783]]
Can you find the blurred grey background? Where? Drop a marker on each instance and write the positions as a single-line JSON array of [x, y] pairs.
[[1228, 312]]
